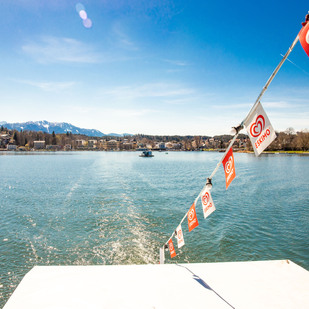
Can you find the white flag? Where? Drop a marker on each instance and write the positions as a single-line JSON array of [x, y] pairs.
[[259, 129], [179, 236], [207, 203]]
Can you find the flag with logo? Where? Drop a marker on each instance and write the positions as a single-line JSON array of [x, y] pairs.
[[259, 129], [207, 203], [192, 219], [229, 167], [172, 249], [179, 236], [304, 38]]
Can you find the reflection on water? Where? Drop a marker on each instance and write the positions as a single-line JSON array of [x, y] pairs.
[[116, 208]]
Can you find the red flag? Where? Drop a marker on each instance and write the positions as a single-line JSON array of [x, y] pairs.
[[172, 249], [229, 167], [192, 219], [304, 38]]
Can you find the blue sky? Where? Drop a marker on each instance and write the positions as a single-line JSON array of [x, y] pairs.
[[152, 67]]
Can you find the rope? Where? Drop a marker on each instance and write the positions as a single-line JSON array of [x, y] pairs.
[[240, 127]]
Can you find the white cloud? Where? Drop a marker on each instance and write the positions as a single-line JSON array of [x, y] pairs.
[[48, 86], [247, 106], [297, 121], [177, 62], [152, 90], [53, 50], [239, 106], [182, 101], [122, 38], [278, 104], [125, 113]]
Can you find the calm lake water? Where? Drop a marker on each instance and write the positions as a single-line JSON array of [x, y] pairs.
[[82, 208]]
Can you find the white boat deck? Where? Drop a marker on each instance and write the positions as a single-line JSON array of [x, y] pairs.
[[266, 284]]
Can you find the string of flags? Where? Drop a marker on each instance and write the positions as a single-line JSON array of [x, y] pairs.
[[261, 134]]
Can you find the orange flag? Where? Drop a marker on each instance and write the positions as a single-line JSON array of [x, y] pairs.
[[172, 249], [304, 38], [192, 219], [229, 167]]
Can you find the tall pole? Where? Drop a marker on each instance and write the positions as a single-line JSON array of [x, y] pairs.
[[237, 130]]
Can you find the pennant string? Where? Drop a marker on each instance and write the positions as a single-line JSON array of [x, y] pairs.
[[211, 176], [241, 126]]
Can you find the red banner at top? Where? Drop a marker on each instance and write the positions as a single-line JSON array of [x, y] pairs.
[[192, 219], [304, 38], [229, 167]]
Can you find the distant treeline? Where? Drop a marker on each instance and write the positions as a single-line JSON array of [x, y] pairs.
[[291, 140], [285, 141]]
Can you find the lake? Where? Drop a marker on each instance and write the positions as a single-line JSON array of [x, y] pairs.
[[85, 208]]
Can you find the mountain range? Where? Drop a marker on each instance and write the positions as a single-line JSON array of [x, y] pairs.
[[57, 127]]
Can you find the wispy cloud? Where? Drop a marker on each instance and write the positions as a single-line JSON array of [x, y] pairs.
[[278, 104], [173, 71], [177, 62], [152, 90], [182, 100], [53, 50], [125, 113], [176, 65], [122, 38], [232, 106], [48, 86], [267, 104]]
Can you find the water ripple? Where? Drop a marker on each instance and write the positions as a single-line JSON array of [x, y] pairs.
[[117, 208]]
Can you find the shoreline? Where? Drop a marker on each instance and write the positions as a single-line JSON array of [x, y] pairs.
[[295, 152]]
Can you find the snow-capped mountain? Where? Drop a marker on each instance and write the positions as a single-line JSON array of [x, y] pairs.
[[49, 127]]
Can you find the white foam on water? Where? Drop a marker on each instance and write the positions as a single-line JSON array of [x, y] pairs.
[[34, 251], [73, 188]]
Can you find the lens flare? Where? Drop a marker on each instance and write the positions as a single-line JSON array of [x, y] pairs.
[[79, 7], [83, 14], [87, 23]]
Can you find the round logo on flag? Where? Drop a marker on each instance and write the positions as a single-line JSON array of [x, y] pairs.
[[229, 165], [205, 198], [258, 126], [191, 214], [179, 235], [171, 246], [307, 37]]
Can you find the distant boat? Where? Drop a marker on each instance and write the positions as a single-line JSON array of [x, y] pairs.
[[146, 154]]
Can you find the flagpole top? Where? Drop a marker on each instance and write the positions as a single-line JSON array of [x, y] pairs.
[[306, 20]]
